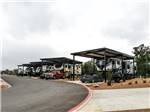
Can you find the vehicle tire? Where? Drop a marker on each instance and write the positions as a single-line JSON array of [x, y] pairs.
[[54, 77], [46, 78], [93, 81], [118, 80], [82, 81], [124, 79], [87, 81], [62, 77]]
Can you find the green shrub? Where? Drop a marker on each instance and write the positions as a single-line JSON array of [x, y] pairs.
[[130, 83], [109, 76]]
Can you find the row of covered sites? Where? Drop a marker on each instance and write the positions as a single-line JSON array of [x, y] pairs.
[[105, 60], [60, 67]]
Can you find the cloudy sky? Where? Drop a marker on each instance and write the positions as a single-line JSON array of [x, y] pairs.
[[31, 29]]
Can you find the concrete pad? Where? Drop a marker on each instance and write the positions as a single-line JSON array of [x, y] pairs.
[[76, 82], [4, 84], [118, 99]]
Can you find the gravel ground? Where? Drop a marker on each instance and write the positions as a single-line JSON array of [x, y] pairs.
[[132, 83], [36, 95]]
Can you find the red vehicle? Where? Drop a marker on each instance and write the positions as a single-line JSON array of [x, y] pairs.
[[54, 75]]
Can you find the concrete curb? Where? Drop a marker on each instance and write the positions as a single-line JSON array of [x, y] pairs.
[[35, 78], [83, 102], [4, 84]]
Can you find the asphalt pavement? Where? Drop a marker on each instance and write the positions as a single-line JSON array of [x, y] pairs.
[[37, 95]]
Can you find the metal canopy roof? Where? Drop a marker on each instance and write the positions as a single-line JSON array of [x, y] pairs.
[[50, 61], [27, 65], [36, 64], [40, 63], [101, 53], [60, 60]]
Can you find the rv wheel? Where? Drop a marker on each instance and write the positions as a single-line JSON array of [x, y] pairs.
[[93, 81]]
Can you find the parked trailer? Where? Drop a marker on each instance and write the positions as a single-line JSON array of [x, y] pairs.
[[120, 69], [107, 55], [65, 69], [62, 65]]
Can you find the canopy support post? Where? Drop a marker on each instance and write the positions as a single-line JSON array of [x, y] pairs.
[[122, 65], [23, 71], [73, 67], [93, 66], [105, 66]]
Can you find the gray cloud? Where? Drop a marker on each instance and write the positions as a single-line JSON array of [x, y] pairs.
[[25, 18], [67, 23], [133, 27], [17, 53]]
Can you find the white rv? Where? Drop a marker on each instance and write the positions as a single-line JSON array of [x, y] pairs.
[[63, 67], [69, 67], [115, 64]]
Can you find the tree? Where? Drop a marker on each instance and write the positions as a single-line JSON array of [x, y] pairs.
[[89, 68], [15, 71], [10, 72], [142, 59]]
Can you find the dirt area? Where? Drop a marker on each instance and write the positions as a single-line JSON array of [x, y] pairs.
[[132, 83]]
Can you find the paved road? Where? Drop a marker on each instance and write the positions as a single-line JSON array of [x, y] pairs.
[[30, 95]]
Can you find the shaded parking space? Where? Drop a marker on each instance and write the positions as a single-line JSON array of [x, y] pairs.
[[29, 95]]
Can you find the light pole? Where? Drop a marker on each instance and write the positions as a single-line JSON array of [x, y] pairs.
[[146, 66]]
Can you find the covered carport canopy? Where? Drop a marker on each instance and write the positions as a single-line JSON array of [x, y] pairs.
[[35, 64], [24, 65], [40, 63], [103, 54], [60, 60], [27, 65]]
